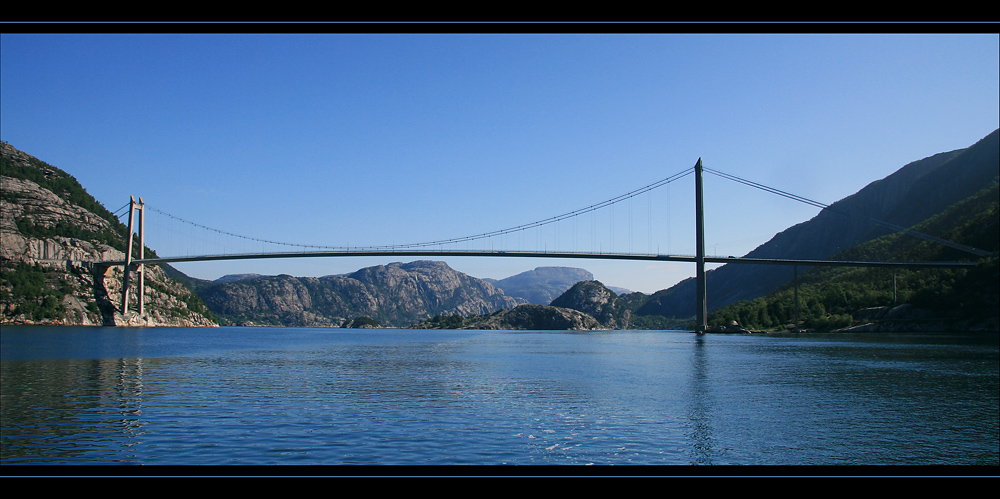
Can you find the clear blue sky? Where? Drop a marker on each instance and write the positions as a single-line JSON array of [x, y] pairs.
[[375, 139]]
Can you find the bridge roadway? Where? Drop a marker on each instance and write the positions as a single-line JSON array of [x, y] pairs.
[[535, 254]]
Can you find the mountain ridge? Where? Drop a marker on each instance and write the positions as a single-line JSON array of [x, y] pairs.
[[397, 294]]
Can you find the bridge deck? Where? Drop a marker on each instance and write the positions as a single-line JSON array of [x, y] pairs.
[[536, 254]]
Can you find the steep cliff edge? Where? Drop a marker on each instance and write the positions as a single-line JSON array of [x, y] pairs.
[[51, 232]]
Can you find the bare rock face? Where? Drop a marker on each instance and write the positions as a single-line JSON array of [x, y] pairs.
[[50, 237], [167, 302], [395, 295]]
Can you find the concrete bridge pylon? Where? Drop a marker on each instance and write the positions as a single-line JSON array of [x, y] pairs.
[[140, 268]]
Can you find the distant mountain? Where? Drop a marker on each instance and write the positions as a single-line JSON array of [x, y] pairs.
[[912, 194], [394, 295], [237, 277], [543, 284], [51, 231]]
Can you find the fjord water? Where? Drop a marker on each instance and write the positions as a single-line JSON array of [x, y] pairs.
[[88, 395]]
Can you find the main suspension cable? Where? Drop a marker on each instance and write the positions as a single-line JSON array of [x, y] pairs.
[[897, 228], [484, 235]]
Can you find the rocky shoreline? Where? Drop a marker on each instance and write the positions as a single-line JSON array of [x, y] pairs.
[[909, 318], [905, 318]]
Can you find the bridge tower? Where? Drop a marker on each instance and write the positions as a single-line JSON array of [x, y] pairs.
[[701, 299], [126, 279]]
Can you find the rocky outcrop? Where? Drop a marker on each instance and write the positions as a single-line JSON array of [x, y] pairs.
[[394, 295], [597, 301], [587, 305], [48, 244], [530, 317]]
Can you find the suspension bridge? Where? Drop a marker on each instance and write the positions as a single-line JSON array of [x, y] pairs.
[[134, 264]]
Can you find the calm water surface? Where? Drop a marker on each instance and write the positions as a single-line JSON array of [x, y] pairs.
[[263, 396]]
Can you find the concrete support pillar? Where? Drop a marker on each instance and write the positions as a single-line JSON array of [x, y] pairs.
[[701, 300]]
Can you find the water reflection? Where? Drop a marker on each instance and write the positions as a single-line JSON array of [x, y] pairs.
[[65, 409], [699, 410]]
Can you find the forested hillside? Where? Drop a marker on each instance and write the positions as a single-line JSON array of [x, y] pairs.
[[901, 299]]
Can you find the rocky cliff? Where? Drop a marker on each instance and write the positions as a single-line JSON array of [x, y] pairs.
[[397, 294], [51, 231]]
